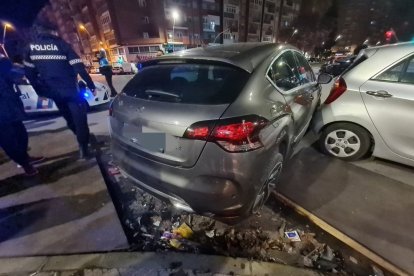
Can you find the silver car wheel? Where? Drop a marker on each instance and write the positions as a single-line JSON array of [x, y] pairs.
[[342, 143], [270, 184]]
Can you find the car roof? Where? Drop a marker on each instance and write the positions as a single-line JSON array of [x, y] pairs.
[[403, 47], [243, 55]]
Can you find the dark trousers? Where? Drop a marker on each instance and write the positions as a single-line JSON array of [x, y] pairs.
[[14, 141], [75, 113], [108, 78]]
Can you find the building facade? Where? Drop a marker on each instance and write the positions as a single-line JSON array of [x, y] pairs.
[[133, 30], [258, 20]]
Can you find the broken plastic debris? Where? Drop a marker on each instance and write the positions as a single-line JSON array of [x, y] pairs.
[[352, 259], [210, 233], [328, 254], [184, 231], [377, 271], [293, 235]]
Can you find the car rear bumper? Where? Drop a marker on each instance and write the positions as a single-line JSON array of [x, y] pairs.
[[221, 184]]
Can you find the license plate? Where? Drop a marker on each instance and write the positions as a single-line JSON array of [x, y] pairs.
[[145, 137]]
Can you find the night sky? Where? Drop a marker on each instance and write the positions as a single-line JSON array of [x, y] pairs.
[[20, 13]]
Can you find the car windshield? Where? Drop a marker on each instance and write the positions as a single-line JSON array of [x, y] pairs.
[[189, 83]]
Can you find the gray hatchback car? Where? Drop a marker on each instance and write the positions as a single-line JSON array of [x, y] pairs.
[[208, 128]]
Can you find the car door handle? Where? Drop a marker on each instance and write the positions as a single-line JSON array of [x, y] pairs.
[[380, 93]]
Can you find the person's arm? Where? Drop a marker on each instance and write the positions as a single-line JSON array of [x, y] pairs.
[[78, 66], [33, 76]]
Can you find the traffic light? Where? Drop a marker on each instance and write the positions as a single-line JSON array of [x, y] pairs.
[[388, 35]]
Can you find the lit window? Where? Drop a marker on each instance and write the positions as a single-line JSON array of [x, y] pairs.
[[145, 35]]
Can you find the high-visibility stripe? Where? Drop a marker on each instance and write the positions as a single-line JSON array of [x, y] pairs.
[[28, 64], [48, 57], [75, 61]]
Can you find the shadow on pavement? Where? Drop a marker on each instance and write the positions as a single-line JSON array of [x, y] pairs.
[[48, 173], [25, 219]]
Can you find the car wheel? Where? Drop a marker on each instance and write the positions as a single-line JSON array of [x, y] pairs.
[[345, 141], [269, 185]]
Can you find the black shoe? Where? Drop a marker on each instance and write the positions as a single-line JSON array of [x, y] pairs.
[[84, 153], [30, 170]]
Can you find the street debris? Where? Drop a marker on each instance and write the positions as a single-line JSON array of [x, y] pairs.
[[157, 226], [293, 236]]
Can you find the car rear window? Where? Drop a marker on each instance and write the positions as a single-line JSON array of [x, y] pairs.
[[189, 83]]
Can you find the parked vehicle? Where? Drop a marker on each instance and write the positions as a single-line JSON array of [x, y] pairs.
[[34, 104], [371, 107], [124, 68], [117, 69], [209, 128], [336, 67]]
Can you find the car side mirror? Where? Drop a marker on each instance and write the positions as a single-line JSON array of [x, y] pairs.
[[324, 78]]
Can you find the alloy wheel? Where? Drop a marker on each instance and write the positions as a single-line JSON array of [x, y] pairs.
[[342, 143]]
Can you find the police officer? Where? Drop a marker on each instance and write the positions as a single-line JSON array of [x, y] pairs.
[[13, 135], [106, 70], [52, 67]]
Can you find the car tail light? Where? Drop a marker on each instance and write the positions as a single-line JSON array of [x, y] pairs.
[[234, 135], [337, 90]]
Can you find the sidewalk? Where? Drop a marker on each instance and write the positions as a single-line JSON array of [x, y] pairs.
[[374, 210], [144, 264], [65, 209]]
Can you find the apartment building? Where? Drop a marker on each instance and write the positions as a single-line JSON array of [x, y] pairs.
[[258, 20]]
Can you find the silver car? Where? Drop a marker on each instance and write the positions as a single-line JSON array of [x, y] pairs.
[[371, 107], [208, 128]]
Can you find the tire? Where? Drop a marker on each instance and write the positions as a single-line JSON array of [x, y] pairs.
[[345, 141], [271, 182]]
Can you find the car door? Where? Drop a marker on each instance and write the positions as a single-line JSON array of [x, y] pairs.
[[308, 81], [284, 75], [389, 99]]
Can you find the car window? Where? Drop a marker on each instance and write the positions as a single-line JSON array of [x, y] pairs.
[[283, 72], [305, 71], [392, 74], [408, 75], [188, 83]]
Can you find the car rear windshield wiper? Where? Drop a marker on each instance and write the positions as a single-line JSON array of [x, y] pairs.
[[161, 93]]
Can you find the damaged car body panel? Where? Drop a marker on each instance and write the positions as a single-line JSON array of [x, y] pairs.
[[209, 128]]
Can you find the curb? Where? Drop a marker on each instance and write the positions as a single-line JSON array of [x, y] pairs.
[[147, 263], [342, 237]]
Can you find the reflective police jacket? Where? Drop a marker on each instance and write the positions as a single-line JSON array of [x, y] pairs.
[[52, 66]]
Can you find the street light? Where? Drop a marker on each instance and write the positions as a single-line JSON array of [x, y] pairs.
[[366, 41], [175, 17], [3, 44], [293, 33], [226, 30], [83, 28], [338, 38]]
